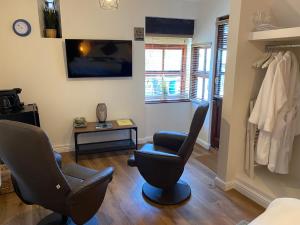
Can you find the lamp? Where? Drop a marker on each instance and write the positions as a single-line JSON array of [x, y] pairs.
[[109, 4]]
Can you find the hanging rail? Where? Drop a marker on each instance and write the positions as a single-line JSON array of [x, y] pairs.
[[270, 47]]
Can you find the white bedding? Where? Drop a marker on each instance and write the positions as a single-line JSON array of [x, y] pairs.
[[283, 211]]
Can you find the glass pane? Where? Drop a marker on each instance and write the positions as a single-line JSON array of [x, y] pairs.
[[224, 57], [206, 88], [162, 87], [172, 85], [50, 4], [201, 60], [200, 88], [153, 58], [222, 86], [173, 60], [208, 58], [153, 86]]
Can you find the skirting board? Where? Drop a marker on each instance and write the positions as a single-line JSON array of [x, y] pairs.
[[244, 189], [71, 148], [252, 193], [225, 186], [203, 143], [64, 148]]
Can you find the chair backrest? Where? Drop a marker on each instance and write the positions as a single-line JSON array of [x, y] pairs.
[[198, 120], [27, 152]]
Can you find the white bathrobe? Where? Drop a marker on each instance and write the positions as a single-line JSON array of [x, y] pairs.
[[259, 113], [278, 117], [282, 118]]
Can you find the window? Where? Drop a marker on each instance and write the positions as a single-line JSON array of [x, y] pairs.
[[222, 41], [50, 4], [165, 75], [200, 70]]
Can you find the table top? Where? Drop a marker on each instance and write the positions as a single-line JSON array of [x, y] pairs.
[[91, 127], [26, 109]]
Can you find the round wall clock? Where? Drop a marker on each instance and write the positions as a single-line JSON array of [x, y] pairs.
[[22, 27]]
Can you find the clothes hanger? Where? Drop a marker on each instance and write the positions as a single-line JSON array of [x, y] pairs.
[[270, 60], [260, 62]]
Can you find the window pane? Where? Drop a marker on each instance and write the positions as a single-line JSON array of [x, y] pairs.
[[50, 4], [206, 88], [208, 58], [165, 87], [201, 60], [224, 57], [173, 60], [200, 88], [222, 86], [153, 86], [172, 85], [154, 59]]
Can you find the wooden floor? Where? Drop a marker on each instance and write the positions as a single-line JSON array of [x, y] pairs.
[[208, 158], [125, 205]]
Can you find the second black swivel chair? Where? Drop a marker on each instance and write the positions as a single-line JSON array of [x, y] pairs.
[[162, 163]]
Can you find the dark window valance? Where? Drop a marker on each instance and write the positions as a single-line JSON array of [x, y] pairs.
[[156, 26]]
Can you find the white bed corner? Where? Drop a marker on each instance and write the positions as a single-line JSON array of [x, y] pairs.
[[282, 211]]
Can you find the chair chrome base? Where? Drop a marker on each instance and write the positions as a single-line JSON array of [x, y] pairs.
[[57, 219], [177, 194]]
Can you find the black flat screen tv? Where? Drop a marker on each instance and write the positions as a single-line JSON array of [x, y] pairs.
[[98, 58]]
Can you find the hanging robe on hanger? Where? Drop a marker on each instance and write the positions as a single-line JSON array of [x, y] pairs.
[[259, 113], [282, 116]]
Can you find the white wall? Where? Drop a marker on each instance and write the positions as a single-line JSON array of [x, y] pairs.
[[242, 83], [169, 116], [37, 65]]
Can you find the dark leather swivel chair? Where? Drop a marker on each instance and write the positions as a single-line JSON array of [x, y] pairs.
[[74, 193], [162, 163]]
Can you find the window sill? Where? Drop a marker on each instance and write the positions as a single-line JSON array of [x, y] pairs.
[[199, 101], [166, 101]]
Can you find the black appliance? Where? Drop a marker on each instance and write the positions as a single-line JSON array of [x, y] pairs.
[[29, 114], [10, 101], [98, 58]]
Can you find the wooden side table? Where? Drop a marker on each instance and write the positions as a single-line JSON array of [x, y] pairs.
[[106, 146]]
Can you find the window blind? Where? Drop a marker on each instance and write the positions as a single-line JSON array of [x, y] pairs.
[[221, 55], [200, 69], [165, 73]]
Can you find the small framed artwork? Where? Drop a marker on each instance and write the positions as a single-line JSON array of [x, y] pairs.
[[139, 33]]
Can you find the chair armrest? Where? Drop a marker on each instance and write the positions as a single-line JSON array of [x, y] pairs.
[[58, 158], [157, 156], [145, 155], [170, 140], [90, 183], [84, 201]]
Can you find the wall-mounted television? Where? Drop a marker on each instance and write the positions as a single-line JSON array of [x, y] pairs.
[[98, 58]]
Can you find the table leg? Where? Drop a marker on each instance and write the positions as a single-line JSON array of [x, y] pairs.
[[136, 135], [76, 147], [130, 134]]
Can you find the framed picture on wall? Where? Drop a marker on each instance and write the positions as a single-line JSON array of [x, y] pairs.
[[139, 33]]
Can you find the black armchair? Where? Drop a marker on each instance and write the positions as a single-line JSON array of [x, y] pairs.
[[74, 193], [162, 163]]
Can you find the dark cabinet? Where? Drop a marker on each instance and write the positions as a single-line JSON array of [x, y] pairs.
[[29, 115]]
